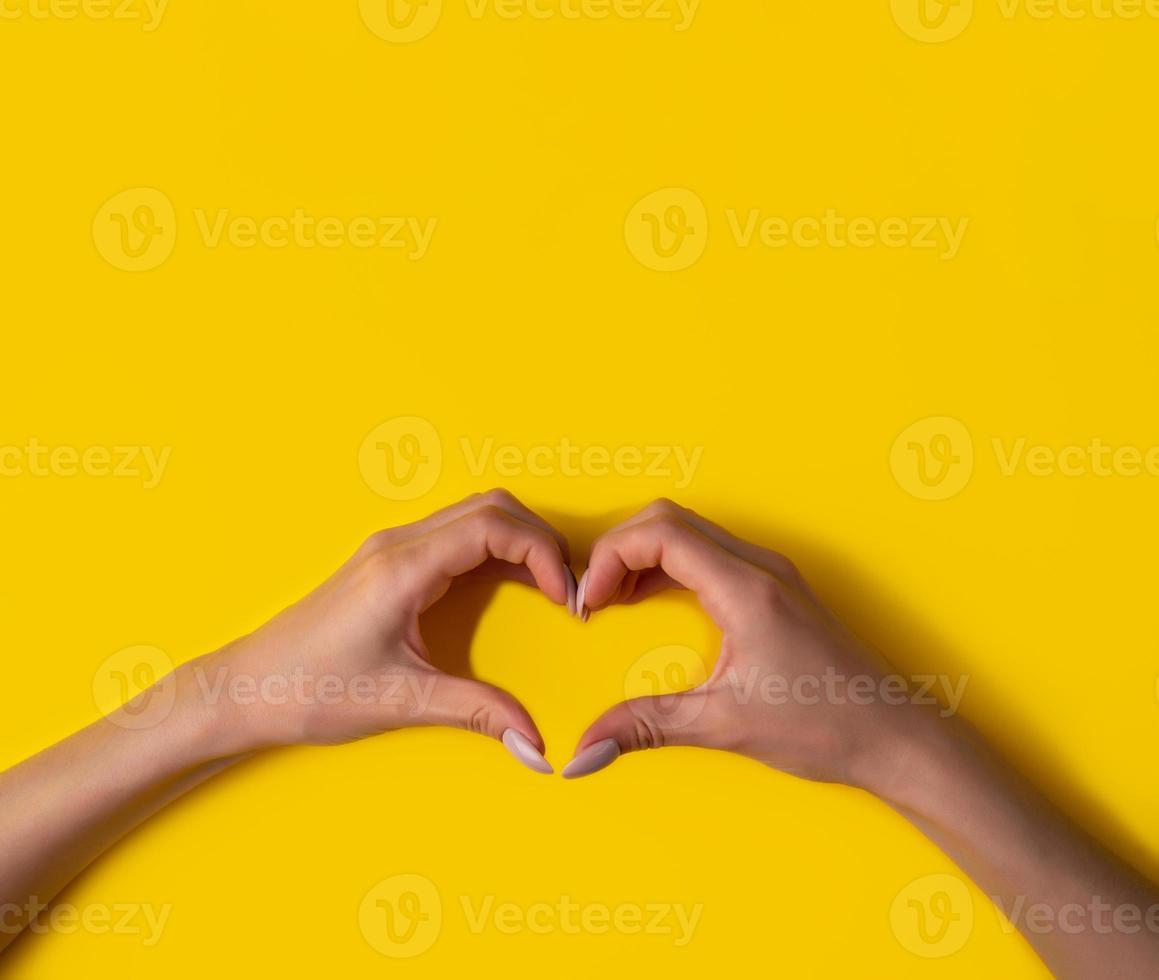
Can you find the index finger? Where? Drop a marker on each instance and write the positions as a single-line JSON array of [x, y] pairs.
[[684, 553], [489, 532]]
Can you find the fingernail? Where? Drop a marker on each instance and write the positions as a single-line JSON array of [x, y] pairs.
[[593, 759], [572, 589], [520, 746], [581, 591]]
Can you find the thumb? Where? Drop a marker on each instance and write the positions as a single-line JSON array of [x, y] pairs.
[[642, 723], [488, 710]]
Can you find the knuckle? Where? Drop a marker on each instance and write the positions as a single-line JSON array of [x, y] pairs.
[[599, 545], [767, 590], [479, 720], [788, 570], [497, 497], [645, 732], [379, 541], [378, 566], [664, 505], [377, 573]]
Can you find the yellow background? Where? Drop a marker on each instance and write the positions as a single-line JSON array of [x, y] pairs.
[[529, 320]]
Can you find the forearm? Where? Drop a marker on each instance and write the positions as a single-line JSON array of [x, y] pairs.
[[62, 808], [1085, 912]]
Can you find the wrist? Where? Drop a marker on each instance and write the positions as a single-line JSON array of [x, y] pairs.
[[209, 727], [181, 729], [910, 758]]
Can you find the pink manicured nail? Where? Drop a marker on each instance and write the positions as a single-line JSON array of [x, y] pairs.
[[520, 746], [581, 591], [593, 759], [572, 589]]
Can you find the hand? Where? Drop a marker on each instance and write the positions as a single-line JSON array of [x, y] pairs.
[[792, 688], [348, 661]]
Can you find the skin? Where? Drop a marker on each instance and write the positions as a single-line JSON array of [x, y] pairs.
[[935, 771], [359, 629], [65, 806]]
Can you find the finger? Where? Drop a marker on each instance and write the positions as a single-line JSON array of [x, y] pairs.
[[488, 532], [642, 723], [766, 558], [651, 583], [642, 585], [771, 561], [488, 710], [665, 541], [494, 570], [498, 497]]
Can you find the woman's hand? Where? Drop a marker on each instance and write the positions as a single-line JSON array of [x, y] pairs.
[[792, 688], [937, 772], [345, 662], [348, 661]]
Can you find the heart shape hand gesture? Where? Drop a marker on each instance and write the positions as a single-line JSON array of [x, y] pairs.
[[791, 688], [357, 659]]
